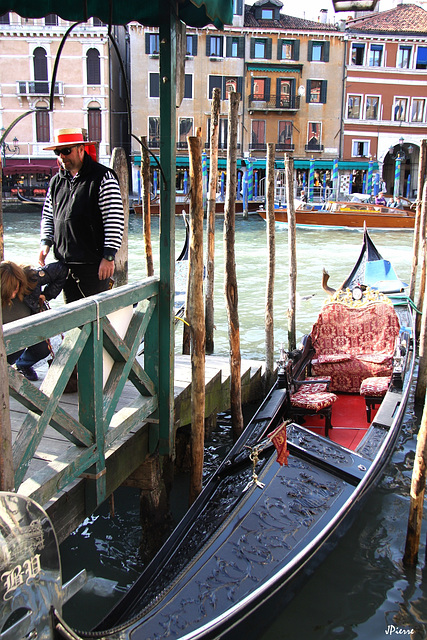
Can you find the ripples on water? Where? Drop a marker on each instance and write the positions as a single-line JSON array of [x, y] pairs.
[[362, 587]]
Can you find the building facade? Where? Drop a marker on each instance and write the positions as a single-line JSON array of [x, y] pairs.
[[28, 49], [386, 96]]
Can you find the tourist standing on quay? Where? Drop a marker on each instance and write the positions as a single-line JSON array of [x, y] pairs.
[[82, 217]]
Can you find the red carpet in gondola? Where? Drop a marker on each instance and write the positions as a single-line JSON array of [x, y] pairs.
[[349, 423]]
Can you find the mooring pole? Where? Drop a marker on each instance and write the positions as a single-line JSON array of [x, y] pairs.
[[417, 494], [271, 265], [210, 258], [120, 166], [289, 175], [196, 317], [7, 478], [230, 279], [146, 206], [421, 175], [423, 252]]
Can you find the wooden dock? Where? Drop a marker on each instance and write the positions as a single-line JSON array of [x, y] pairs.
[[69, 507]]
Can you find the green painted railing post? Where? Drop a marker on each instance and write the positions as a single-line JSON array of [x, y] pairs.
[[90, 387], [168, 48], [151, 366]]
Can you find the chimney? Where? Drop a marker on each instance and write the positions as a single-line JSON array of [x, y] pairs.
[[323, 16]]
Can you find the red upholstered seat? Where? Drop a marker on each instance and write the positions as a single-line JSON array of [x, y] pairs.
[[312, 400], [374, 389], [354, 342]]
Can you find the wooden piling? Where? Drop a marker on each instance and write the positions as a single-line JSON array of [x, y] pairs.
[[421, 176], [6, 466], [119, 164], [271, 265], [146, 206], [196, 317], [289, 177], [210, 256], [230, 280], [417, 494], [423, 252]]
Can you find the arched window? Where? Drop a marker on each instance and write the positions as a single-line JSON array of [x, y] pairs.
[[93, 67], [94, 128], [40, 70], [42, 124]]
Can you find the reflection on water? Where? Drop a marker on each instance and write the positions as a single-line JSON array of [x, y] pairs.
[[362, 587]]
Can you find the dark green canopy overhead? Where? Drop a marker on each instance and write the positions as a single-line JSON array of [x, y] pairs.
[[196, 13]]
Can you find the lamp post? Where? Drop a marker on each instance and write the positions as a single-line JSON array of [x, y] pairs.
[[5, 147]]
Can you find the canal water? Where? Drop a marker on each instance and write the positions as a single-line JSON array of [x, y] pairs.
[[362, 590]]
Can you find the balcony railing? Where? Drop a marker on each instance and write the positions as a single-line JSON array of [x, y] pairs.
[[314, 147], [222, 146], [285, 146], [38, 88], [258, 146], [282, 103]]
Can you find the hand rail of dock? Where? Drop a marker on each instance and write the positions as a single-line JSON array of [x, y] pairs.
[[89, 333]]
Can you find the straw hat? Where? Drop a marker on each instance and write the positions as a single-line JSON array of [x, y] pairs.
[[67, 138]]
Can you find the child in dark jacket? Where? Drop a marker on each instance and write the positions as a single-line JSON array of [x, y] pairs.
[[24, 291]]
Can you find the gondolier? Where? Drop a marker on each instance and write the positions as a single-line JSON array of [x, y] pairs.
[[82, 217]]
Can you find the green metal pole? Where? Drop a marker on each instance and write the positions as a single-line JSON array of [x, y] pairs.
[[168, 45]]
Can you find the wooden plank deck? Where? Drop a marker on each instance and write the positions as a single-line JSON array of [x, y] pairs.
[[68, 508]]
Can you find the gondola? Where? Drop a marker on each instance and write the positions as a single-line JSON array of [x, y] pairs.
[[38, 202], [286, 492], [352, 215]]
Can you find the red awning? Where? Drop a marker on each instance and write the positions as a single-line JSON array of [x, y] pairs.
[[36, 165]]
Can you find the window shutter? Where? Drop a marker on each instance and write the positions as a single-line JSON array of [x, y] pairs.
[[308, 91], [239, 7], [154, 85], [267, 89], [326, 51], [147, 43], [296, 50], [241, 47], [310, 50], [188, 90], [240, 86], [208, 46], [194, 45], [268, 48], [252, 53], [279, 49], [323, 91], [228, 41], [93, 67], [40, 64]]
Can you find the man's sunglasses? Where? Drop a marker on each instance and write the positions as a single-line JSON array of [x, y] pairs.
[[65, 151]]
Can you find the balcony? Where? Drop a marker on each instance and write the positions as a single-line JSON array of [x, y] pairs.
[[38, 88], [275, 103], [314, 147], [258, 146], [222, 146], [285, 146]]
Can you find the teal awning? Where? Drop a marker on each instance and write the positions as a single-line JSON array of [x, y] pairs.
[[196, 13], [318, 164], [278, 68]]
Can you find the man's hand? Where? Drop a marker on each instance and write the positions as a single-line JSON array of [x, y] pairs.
[[106, 269], [42, 255]]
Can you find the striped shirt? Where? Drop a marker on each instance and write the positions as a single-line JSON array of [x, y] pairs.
[[110, 204]]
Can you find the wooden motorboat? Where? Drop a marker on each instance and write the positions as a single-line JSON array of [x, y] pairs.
[[354, 215], [260, 527]]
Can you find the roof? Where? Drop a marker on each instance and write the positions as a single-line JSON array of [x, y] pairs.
[[196, 13], [287, 23], [405, 18]]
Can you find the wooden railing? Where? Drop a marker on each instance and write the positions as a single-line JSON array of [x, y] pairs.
[[89, 333]]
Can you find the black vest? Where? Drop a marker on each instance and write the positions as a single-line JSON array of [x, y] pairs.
[[77, 218]]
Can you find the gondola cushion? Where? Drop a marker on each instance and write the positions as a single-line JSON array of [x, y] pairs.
[[306, 399], [354, 343], [375, 386]]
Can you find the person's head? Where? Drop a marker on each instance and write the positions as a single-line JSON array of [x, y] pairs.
[[14, 282], [69, 146]]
